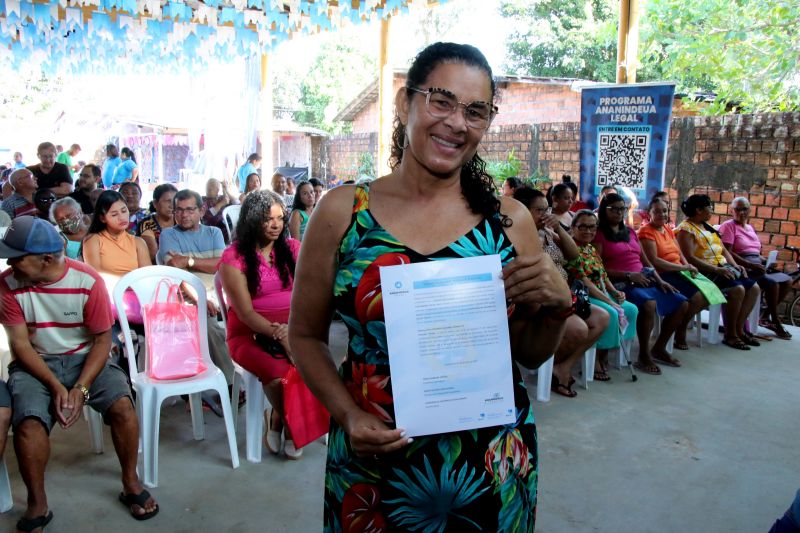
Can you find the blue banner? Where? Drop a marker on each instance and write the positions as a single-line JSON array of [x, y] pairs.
[[624, 134]]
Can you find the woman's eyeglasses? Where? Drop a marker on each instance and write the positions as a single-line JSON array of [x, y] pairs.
[[742, 209], [618, 210], [441, 103], [587, 227]]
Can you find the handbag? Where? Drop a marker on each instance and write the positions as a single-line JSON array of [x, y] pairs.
[[172, 334], [306, 417], [270, 345], [583, 308]]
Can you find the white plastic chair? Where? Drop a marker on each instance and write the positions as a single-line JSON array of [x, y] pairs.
[[254, 392], [230, 216], [151, 393], [6, 500]]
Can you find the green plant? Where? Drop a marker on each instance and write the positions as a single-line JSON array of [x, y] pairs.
[[366, 166], [500, 171]]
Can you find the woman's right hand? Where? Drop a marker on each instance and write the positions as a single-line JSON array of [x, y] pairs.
[[637, 278], [369, 436], [619, 296], [725, 273]]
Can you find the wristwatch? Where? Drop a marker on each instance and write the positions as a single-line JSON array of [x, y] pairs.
[[628, 276], [191, 262], [83, 390]]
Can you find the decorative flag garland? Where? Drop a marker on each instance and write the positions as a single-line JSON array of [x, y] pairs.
[[94, 36]]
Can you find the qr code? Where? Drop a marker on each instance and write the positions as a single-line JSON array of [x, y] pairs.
[[622, 159]]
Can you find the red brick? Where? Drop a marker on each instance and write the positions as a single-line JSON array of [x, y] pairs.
[[793, 241], [764, 238], [788, 228], [756, 199], [715, 196], [789, 200], [772, 199], [778, 240], [780, 213], [727, 196], [764, 212], [794, 214], [757, 223], [772, 226], [777, 160], [793, 159]]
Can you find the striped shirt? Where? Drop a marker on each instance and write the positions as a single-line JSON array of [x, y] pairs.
[[17, 206], [61, 316]]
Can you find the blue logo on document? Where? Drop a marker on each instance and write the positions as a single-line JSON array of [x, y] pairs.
[[398, 284]]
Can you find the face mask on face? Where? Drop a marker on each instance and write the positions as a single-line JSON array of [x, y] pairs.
[[71, 225]]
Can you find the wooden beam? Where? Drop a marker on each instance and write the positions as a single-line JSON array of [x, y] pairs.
[[622, 41], [385, 101], [266, 122]]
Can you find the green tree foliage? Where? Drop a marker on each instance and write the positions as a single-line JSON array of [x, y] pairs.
[[338, 73], [563, 38], [747, 51]]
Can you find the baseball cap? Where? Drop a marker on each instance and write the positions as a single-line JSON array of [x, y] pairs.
[[30, 235]]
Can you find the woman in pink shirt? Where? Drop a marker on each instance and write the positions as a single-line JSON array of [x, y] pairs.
[[257, 272], [630, 270], [743, 243]]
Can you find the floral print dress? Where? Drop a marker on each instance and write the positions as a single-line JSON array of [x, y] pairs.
[[478, 480]]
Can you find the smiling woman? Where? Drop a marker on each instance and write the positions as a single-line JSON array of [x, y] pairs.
[[438, 203]]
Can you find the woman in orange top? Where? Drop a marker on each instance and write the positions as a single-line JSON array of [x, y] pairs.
[[659, 245]]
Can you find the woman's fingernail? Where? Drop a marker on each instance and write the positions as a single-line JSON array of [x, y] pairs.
[[403, 433], [410, 440]]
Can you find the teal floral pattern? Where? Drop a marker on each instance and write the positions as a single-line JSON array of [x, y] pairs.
[[479, 480]]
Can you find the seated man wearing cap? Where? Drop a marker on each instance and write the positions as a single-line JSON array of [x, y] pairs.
[[57, 316]]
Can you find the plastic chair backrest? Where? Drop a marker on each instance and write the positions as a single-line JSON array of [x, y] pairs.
[[144, 281], [771, 258], [230, 216], [223, 305]]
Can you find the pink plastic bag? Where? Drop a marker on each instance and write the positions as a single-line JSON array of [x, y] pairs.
[[172, 335], [306, 417]]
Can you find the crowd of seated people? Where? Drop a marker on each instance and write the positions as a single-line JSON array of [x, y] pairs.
[[85, 240], [653, 281]]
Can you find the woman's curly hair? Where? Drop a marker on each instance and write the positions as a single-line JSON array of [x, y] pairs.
[[251, 237], [477, 186]]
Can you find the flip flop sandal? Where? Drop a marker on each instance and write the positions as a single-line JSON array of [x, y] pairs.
[[669, 362], [129, 500], [647, 369], [782, 333], [750, 340], [736, 343], [601, 375], [560, 388], [29, 524], [680, 346]]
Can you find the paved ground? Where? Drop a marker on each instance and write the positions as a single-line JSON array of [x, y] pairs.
[[711, 446]]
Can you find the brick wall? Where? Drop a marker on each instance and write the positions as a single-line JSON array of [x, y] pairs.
[[343, 154], [537, 103]]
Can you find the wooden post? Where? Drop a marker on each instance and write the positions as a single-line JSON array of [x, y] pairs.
[[622, 41], [265, 123], [628, 41], [385, 102]]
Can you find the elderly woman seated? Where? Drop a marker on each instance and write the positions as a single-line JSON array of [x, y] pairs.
[[630, 269], [661, 248], [602, 293], [702, 246], [742, 242], [580, 334], [67, 214]]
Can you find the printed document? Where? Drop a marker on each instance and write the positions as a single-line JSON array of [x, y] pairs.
[[449, 351]]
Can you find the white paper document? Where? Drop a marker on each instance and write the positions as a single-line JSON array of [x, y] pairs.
[[449, 351]]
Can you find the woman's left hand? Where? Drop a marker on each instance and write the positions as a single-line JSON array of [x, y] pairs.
[[533, 280]]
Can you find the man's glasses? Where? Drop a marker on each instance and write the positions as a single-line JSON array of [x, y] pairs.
[[741, 209], [618, 210], [587, 227], [441, 103], [187, 210]]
